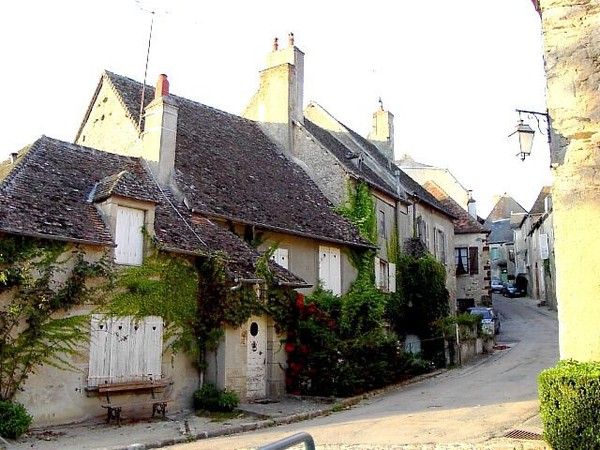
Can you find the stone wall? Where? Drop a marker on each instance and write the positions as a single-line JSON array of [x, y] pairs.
[[571, 33]]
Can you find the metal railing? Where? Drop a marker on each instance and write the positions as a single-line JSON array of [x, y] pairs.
[[290, 441]]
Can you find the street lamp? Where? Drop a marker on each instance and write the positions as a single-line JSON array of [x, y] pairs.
[[526, 133]]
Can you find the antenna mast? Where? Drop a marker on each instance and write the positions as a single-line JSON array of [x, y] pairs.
[[146, 71]]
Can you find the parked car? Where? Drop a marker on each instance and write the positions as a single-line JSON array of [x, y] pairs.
[[512, 290], [490, 321], [497, 285]]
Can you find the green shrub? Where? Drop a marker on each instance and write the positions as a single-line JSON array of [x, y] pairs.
[[569, 404], [212, 399], [14, 419]]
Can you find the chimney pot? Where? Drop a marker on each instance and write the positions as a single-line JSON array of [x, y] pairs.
[[162, 86], [291, 39], [13, 157], [275, 45]]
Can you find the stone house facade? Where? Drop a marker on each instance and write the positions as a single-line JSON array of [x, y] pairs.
[[108, 204], [193, 179], [502, 220], [534, 250], [335, 157], [471, 253]]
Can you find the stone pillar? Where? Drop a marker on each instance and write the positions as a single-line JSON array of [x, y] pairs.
[[571, 53]]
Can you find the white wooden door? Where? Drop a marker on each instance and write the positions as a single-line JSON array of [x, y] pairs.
[[256, 375]]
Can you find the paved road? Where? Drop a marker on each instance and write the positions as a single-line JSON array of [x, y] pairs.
[[470, 404]]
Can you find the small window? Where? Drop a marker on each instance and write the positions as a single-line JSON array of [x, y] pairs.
[[467, 260], [461, 260], [381, 224], [385, 275]]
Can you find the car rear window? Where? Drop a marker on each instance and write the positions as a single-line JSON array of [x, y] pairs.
[[482, 312]]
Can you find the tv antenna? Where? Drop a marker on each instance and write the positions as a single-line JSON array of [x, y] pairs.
[[152, 9]]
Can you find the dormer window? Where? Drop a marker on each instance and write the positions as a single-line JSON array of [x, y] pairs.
[[129, 236]]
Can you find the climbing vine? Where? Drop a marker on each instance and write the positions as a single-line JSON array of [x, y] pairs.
[[164, 285], [46, 281]]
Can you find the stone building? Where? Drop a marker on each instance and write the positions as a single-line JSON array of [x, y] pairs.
[[334, 156], [571, 49]]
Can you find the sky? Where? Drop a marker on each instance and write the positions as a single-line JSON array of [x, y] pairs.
[[451, 72]]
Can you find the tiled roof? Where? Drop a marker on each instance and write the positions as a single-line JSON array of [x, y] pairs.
[[349, 159], [501, 232], [46, 192], [504, 207], [539, 206], [227, 167], [348, 144], [463, 222], [50, 192]]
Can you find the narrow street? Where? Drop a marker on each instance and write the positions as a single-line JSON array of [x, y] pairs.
[[470, 404]]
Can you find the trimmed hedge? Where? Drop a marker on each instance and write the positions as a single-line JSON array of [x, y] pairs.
[[570, 405]]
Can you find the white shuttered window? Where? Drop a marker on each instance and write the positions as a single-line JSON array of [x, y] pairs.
[[125, 349], [129, 237], [330, 269]]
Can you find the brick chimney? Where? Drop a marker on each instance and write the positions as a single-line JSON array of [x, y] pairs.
[[280, 97], [160, 132], [382, 132]]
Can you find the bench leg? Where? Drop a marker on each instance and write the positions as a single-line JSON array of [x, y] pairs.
[[159, 408], [114, 413]]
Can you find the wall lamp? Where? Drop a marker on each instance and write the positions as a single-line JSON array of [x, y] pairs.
[[526, 133]]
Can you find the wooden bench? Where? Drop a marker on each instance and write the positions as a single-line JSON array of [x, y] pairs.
[[109, 390]]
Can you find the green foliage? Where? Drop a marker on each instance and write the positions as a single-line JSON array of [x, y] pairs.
[[466, 322], [164, 286], [363, 309], [360, 209], [14, 419], [423, 297], [569, 404], [338, 346], [209, 398], [46, 282]]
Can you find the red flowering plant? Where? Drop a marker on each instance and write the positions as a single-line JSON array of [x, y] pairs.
[[311, 341]]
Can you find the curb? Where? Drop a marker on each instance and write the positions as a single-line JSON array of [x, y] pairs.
[[268, 423]]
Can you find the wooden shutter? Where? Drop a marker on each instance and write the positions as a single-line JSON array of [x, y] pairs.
[[544, 250], [378, 272], [99, 342], [473, 260], [125, 349], [281, 257], [330, 271], [128, 236], [392, 277]]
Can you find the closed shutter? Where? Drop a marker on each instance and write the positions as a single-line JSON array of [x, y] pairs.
[[378, 272], [392, 276], [125, 349], [281, 257], [473, 260], [128, 236], [330, 271], [99, 342], [544, 250]]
